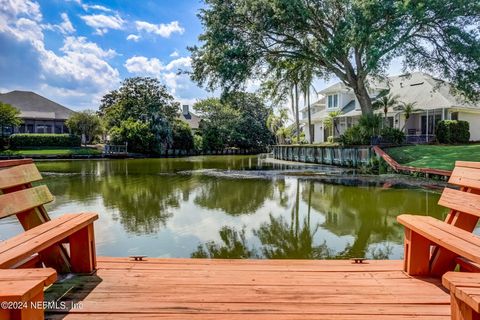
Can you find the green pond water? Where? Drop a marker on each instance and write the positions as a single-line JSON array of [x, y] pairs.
[[230, 207]]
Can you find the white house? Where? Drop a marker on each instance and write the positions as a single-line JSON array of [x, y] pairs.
[[434, 102]]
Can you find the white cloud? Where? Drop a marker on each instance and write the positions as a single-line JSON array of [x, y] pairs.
[[14, 8], [144, 65], [82, 46], [133, 37], [174, 54], [79, 74], [178, 64], [102, 23], [98, 7], [163, 30], [66, 26], [168, 73]]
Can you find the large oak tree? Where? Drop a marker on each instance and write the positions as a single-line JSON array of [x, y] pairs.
[[354, 40]]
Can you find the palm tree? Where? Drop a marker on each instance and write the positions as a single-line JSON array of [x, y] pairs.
[[288, 79], [276, 125], [385, 102], [331, 122], [408, 109]]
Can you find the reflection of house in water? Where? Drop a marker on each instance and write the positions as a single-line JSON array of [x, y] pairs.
[[367, 213]]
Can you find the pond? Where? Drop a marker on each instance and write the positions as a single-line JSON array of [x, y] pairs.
[[230, 207]]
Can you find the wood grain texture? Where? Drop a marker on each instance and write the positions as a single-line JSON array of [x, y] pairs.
[[251, 289], [454, 239], [461, 201], [466, 177], [19, 175], [20, 247], [23, 200], [15, 162]]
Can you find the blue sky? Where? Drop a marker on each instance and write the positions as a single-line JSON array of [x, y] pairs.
[[74, 51]]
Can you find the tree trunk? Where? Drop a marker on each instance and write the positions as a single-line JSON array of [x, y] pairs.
[[297, 118], [363, 98], [310, 131]]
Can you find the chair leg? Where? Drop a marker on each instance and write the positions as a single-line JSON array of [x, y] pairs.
[[33, 310], [417, 254], [460, 310], [82, 250]]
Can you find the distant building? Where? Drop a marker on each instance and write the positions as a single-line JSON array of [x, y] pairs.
[[432, 98], [39, 114], [190, 118]]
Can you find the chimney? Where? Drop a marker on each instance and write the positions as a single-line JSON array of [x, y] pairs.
[[186, 110]]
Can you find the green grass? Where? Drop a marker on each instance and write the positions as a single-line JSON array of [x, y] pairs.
[[52, 151], [433, 156]]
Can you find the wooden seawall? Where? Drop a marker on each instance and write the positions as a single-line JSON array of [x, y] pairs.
[[341, 156]]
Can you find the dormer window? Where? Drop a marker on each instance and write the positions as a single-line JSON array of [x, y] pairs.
[[332, 101]]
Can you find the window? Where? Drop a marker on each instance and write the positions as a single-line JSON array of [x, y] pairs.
[[454, 116], [333, 101]]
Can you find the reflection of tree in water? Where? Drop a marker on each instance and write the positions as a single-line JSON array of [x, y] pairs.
[[279, 239], [369, 214], [234, 246], [283, 241], [234, 196], [143, 201]]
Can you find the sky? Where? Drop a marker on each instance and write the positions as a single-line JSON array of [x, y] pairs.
[[75, 51]]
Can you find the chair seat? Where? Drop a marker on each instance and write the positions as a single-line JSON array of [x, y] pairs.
[[22, 246], [465, 286], [456, 240], [24, 284]]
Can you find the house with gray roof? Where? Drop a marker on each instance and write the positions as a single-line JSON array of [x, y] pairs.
[[39, 114], [192, 119], [433, 102]]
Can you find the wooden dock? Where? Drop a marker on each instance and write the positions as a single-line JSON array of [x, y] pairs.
[[409, 169], [250, 289]]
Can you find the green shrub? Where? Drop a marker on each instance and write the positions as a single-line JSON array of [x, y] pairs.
[[355, 135], [24, 140], [182, 135], [453, 131], [461, 131], [136, 133], [392, 135], [197, 142]]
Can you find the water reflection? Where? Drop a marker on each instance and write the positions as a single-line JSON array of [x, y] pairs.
[[366, 213], [234, 196], [229, 207]]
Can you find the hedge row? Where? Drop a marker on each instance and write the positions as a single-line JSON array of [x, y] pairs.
[[43, 140], [453, 131]]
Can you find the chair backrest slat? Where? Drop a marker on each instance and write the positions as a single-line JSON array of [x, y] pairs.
[[467, 164], [15, 162], [466, 177], [19, 175], [461, 201], [23, 200]]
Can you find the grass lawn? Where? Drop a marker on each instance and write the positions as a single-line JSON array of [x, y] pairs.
[[52, 151], [433, 156]]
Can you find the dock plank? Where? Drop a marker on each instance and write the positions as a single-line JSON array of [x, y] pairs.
[[251, 289]]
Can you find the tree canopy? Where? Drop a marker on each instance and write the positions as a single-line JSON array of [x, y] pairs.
[[9, 116], [238, 119], [354, 40], [85, 123], [142, 100]]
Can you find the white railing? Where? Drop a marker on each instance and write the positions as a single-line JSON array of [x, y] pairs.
[[115, 149]]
